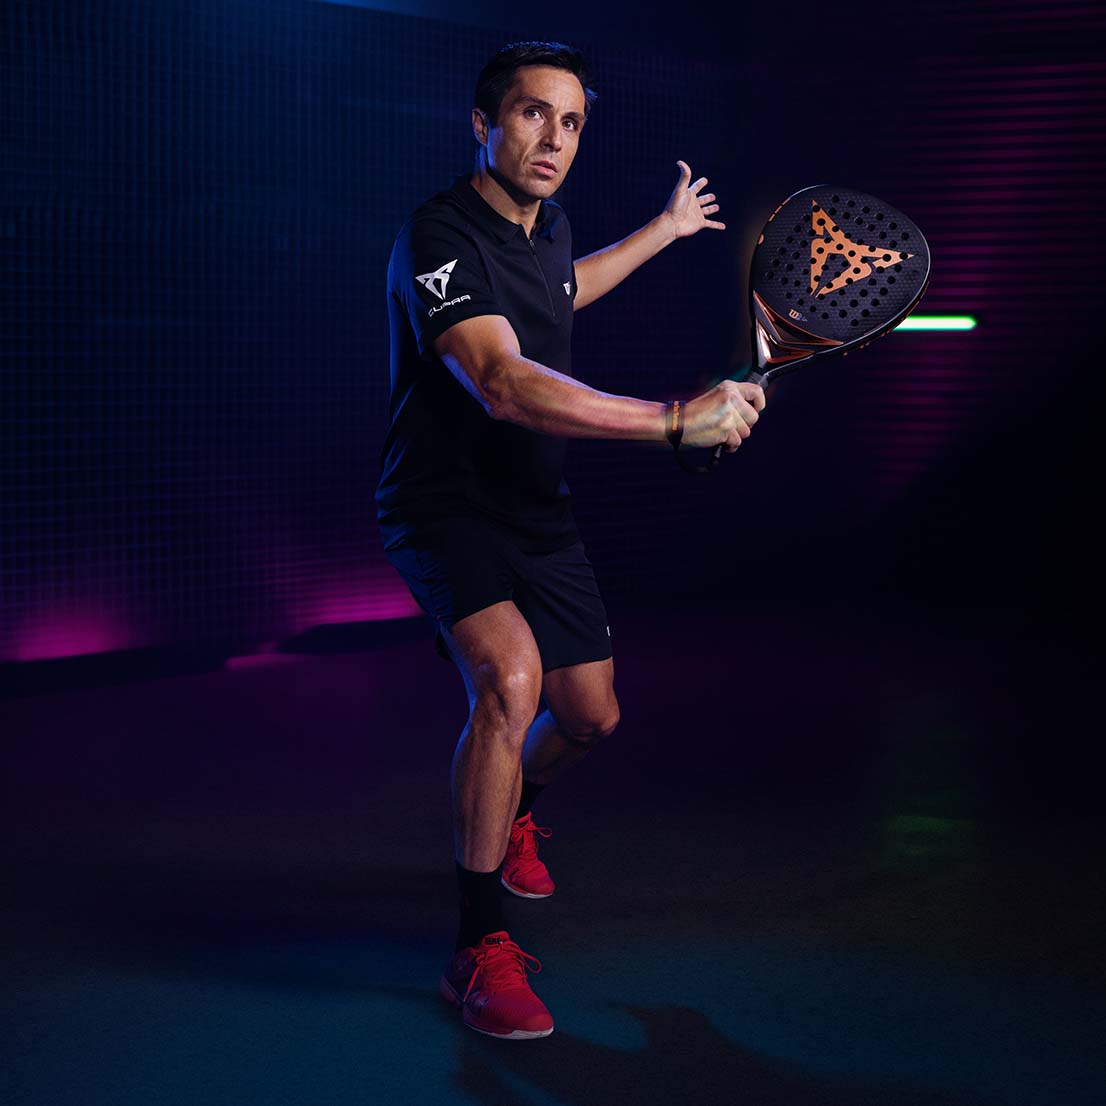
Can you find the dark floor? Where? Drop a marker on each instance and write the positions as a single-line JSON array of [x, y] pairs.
[[818, 863]]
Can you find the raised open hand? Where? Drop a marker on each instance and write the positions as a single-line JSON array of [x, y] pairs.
[[688, 210]]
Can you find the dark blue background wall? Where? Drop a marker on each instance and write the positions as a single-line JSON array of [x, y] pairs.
[[198, 202]]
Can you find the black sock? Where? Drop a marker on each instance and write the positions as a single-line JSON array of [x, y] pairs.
[[530, 791], [481, 906]]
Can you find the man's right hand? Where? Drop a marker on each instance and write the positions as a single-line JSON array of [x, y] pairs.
[[724, 415]]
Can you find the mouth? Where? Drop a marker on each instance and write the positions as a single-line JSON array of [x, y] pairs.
[[546, 168]]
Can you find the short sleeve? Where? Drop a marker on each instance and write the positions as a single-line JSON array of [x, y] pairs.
[[439, 277]]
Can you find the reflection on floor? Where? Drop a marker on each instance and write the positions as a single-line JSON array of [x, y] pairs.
[[817, 863]]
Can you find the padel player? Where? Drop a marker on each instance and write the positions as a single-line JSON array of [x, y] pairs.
[[473, 509]]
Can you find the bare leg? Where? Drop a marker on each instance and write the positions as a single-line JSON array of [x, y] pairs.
[[498, 658], [582, 711]]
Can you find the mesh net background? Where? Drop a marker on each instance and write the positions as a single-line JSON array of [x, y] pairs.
[[198, 204]]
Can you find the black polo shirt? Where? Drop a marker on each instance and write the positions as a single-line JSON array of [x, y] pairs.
[[443, 456]]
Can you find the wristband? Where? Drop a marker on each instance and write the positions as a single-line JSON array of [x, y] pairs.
[[674, 421], [675, 415]]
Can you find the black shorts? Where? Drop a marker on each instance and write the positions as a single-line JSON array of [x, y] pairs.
[[462, 565]]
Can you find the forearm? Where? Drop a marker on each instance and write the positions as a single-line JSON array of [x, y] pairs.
[[529, 394], [601, 271]]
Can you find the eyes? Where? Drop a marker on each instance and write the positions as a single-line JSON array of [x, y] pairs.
[[569, 124]]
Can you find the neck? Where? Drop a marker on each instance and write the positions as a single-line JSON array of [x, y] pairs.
[[504, 198]]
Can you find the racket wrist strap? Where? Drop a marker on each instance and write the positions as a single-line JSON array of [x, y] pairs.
[[674, 414]]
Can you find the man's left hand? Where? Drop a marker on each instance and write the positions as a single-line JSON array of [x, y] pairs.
[[688, 210]]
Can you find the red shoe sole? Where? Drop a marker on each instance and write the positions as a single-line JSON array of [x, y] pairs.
[[454, 999], [522, 894]]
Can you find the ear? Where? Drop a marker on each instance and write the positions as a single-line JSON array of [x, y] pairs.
[[480, 126]]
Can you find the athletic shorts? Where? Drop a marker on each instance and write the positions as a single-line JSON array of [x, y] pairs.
[[462, 565]]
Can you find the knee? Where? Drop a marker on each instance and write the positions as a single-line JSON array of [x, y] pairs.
[[590, 729], [506, 700]]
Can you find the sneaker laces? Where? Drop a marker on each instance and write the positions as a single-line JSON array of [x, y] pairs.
[[527, 830], [502, 964]]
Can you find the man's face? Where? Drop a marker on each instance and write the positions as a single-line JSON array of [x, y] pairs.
[[533, 142]]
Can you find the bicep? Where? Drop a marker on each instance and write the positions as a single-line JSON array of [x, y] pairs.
[[474, 349], [582, 274]]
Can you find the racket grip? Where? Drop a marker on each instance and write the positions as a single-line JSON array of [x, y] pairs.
[[753, 377]]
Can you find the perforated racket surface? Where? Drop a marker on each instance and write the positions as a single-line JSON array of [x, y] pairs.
[[833, 270]]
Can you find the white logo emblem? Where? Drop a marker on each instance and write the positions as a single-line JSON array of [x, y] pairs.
[[437, 280], [568, 287], [443, 306]]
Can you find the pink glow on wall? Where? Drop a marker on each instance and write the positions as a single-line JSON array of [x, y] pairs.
[[1000, 169], [71, 634], [363, 607], [266, 658], [371, 593]]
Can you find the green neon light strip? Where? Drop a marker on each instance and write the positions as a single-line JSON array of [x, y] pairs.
[[937, 322]]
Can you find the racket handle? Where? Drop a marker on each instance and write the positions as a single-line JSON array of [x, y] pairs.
[[753, 377]]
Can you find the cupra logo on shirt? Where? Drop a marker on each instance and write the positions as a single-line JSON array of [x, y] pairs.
[[438, 280]]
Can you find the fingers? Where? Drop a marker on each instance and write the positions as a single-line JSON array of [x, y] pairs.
[[746, 414], [707, 202], [746, 401], [685, 175], [735, 417], [725, 415], [736, 436], [753, 394]]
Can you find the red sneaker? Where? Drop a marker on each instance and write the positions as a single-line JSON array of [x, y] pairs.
[[523, 873], [489, 982]]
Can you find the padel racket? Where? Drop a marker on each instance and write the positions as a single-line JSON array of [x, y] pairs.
[[833, 270]]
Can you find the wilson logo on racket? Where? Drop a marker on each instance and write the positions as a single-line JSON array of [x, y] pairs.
[[830, 241]]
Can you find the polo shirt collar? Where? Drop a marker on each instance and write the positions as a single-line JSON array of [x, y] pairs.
[[479, 208]]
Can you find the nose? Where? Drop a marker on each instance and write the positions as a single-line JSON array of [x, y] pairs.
[[553, 138]]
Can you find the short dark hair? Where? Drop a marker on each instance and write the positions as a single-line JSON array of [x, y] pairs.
[[498, 75]]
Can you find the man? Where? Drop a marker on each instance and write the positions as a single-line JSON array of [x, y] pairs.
[[473, 510]]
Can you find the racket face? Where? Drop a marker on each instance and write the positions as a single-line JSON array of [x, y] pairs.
[[833, 270]]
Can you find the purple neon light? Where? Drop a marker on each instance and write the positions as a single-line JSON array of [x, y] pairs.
[[999, 169], [55, 634], [368, 597]]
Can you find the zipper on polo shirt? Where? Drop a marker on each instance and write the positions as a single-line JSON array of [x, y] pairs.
[[545, 279]]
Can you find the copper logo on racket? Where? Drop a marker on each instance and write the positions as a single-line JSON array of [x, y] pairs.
[[831, 241]]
